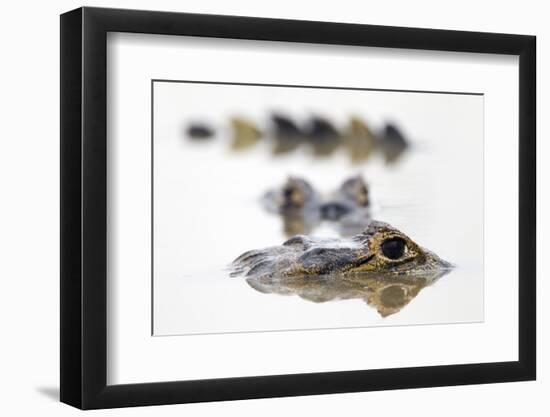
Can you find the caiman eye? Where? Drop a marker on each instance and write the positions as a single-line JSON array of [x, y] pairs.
[[393, 248]]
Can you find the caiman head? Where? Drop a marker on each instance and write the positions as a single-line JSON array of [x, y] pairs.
[[382, 266], [380, 248]]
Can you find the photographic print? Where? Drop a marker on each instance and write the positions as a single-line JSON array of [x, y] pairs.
[[376, 196], [279, 207]]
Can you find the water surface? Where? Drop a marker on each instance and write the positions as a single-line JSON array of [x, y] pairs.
[[207, 208]]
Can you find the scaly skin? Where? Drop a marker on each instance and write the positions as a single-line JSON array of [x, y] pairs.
[[369, 251]]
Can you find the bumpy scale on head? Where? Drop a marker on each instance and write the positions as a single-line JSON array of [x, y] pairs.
[[379, 248]]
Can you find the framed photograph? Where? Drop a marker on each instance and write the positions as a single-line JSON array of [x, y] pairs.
[[257, 207]]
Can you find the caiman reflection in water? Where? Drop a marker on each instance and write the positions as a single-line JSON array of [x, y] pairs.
[[381, 266]]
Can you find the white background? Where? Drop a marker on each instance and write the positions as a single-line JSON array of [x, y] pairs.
[[29, 172]]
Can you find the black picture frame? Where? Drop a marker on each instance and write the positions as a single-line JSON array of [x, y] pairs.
[[84, 209]]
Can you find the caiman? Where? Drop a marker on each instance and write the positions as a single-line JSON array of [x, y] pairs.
[[380, 265]]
